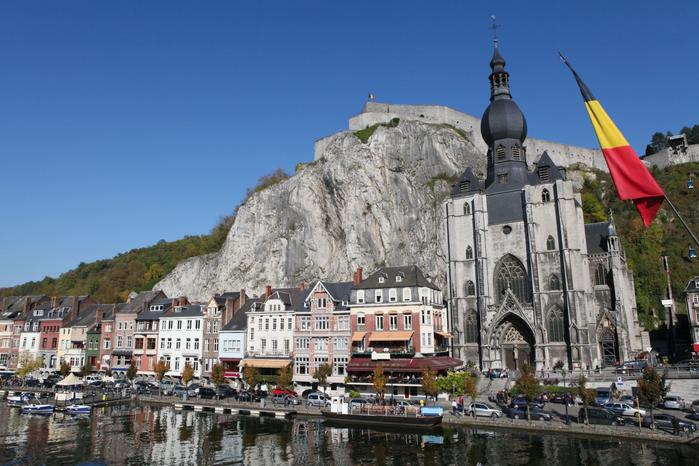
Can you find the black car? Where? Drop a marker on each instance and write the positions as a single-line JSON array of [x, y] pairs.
[[535, 413], [32, 383], [206, 393], [600, 416], [520, 402], [225, 391], [50, 381], [248, 396], [667, 421]]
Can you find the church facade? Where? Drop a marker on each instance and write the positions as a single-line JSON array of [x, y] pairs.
[[529, 281]]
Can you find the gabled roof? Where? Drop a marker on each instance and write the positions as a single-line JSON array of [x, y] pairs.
[[339, 291], [190, 310], [221, 299], [155, 315], [239, 321], [468, 183], [291, 297], [692, 285], [553, 174], [596, 237], [411, 276], [140, 301], [87, 315]]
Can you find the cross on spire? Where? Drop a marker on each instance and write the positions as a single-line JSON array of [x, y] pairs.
[[494, 26]]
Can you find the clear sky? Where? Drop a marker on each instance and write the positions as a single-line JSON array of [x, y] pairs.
[[123, 123]]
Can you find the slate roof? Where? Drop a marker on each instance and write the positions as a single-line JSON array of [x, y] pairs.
[[221, 299], [239, 321], [340, 291], [596, 237], [692, 285], [412, 276], [292, 298], [155, 315], [190, 310], [87, 315], [137, 303]]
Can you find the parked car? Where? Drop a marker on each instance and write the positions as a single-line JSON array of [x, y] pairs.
[[357, 402], [483, 409], [284, 391], [497, 373], [673, 402], [603, 396], [694, 407], [520, 402], [206, 393], [248, 396], [624, 409], [167, 387], [51, 380], [120, 384], [179, 390], [404, 403], [666, 421], [306, 392], [520, 412], [628, 367], [225, 391], [600, 416], [318, 399], [285, 399]]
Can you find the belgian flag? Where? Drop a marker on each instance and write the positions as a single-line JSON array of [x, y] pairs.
[[631, 177]]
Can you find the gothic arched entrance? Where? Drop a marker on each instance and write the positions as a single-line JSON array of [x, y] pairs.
[[513, 342]]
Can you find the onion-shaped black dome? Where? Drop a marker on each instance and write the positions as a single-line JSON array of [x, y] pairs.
[[503, 120]]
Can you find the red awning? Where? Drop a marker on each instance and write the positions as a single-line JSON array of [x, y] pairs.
[[437, 363], [230, 359], [232, 375], [696, 347]]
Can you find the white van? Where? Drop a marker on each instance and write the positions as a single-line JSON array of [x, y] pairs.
[[92, 378]]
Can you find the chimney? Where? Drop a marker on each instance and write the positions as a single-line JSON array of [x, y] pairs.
[[183, 301], [174, 302], [358, 276], [241, 299], [98, 316], [302, 286], [54, 301], [268, 291], [228, 311], [27, 304]]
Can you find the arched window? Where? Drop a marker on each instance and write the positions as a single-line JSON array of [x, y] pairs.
[[511, 274], [545, 195], [555, 324], [515, 152], [470, 327], [470, 288], [467, 208], [554, 283], [551, 243], [500, 152], [469, 252], [600, 275]]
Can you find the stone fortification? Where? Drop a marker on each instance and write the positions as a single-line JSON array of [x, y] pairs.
[[667, 157], [374, 113]]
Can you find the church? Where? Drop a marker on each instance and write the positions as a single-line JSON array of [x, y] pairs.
[[529, 281]]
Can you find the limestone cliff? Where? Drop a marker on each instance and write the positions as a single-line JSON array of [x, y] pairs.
[[357, 204]]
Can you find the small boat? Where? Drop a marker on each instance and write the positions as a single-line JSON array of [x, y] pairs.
[[37, 409], [383, 415], [19, 400], [78, 409]]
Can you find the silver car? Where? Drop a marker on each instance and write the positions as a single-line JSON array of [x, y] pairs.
[[673, 402], [484, 410]]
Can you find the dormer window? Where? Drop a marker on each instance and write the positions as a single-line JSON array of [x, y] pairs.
[[464, 186], [381, 279], [399, 278], [500, 152], [544, 173]]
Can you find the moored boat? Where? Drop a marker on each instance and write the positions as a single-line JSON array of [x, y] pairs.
[[37, 409], [78, 409], [19, 400], [383, 415]]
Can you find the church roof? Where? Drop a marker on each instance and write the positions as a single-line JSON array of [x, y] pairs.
[[596, 237]]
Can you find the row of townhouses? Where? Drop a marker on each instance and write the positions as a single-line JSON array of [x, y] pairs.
[[394, 318]]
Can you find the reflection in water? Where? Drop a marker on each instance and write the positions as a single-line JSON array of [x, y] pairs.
[[143, 434]]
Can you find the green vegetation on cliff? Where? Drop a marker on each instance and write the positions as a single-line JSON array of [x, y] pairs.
[[645, 246]]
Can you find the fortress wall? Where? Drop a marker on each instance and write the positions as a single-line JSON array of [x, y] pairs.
[[666, 157]]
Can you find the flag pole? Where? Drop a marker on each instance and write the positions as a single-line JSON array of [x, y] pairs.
[[684, 224]]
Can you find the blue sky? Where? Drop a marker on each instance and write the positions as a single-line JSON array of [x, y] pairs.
[[123, 123]]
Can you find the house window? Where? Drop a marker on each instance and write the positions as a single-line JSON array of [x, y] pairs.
[[379, 322], [305, 323], [407, 294], [179, 325], [343, 323], [407, 321], [339, 366], [281, 324], [301, 365], [378, 296], [340, 343], [393, 322], [321, 344], [555, 324], [360, 296], [382, 279], [399, 278], [107, 343], [197, 326], [252, 334], [120, 341], [471, 327], [263, 345], [287, 346], [470, 288], [274, 346], [266, 324], [302, 343], [322, 323], [274, 324], [361, 320], [545, 196], [467, 208], [392, 295], [196, 343], [178, 343], [322, 303], [128, 342], [469, 252], [550, 243]]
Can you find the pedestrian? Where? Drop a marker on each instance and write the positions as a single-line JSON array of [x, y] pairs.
[[453, 407]]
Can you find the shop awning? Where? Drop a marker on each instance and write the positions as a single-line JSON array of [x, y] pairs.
[[437, 363], [230, 359], [444, 334], [358, 336], [390, 336], [695, 346], [232, 375], [265, 363]]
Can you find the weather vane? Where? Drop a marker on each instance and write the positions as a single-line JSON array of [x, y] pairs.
[[494, 27]]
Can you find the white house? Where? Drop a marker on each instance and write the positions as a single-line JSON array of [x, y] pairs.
[[180, 339], [232, 340]]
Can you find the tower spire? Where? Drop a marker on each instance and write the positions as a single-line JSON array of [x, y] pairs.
[[494, 27]]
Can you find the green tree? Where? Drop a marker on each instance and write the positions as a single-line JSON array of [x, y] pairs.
[[471, 387], [429, 382], [285, 377], [322, 373], [131, 371], [379, 381], [586, 395], [65, 369], [26, 364], [658, 142], [650, 390], [251, 376], [187, 373], [217, 374], [161, 368], [528, 386]]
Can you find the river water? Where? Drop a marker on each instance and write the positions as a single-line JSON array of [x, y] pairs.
[[148, 434]]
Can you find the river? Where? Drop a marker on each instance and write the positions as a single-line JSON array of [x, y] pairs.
[[158, 435]]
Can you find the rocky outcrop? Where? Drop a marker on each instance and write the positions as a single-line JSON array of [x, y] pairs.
[[357, 204]]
